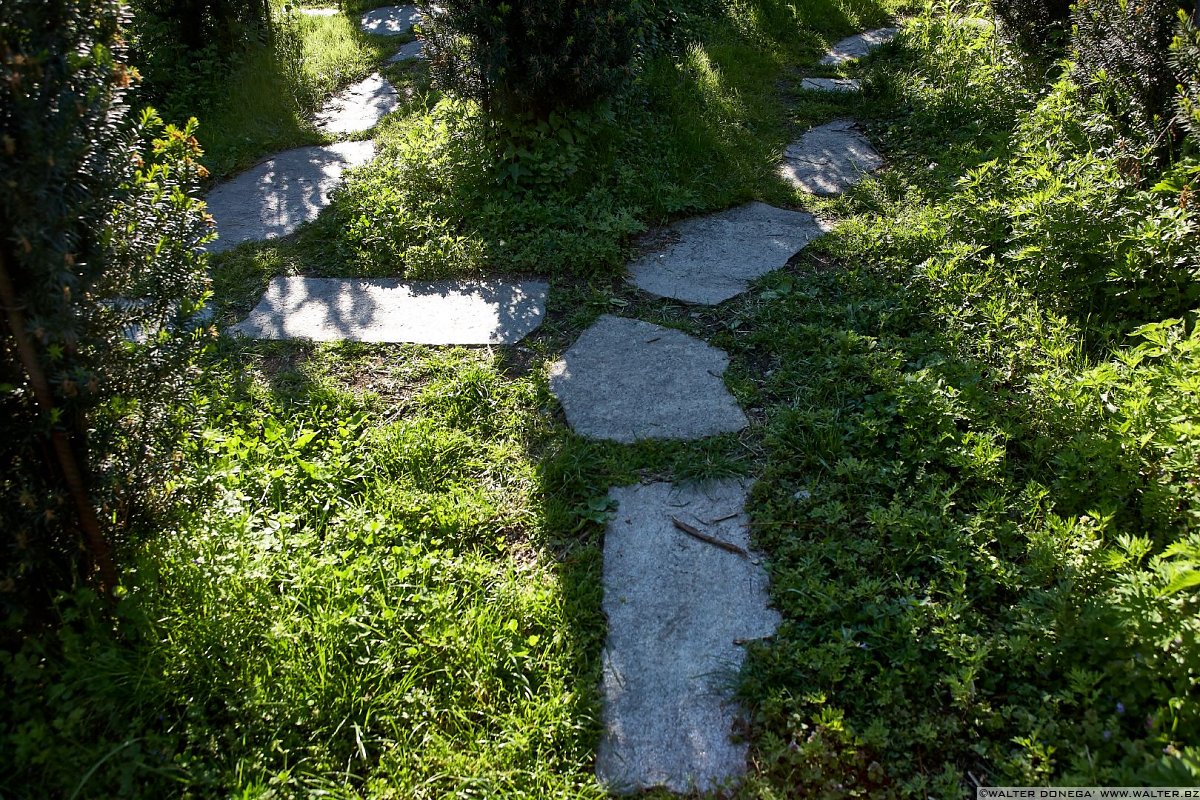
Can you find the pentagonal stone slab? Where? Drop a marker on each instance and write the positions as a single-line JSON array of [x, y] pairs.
[[830, 159], [838, 85], [626, 380], [389, 310], [679, 610], [390, 20], [407, 52], [717, 256], [274, 198], [358, 107], [857, 46]]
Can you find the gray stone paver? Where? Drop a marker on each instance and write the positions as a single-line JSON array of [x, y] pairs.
[[390, 20], [837, 85], [717, 256], [407, 52], [319, 12], [857, 46], [830, 158], [390, 310], [626, 380], [679, 611], [358, 107], [275, 197]]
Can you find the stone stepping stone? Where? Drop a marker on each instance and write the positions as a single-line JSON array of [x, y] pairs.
[[319, 12], [407, 52], [275, 197], [717, 256], [839, 85], [829, 159], [626, 380], [678, 611], [358, 107], [857, 46], [391, 310], [390, 20]]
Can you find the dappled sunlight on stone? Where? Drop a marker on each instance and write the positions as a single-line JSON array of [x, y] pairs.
[[358, 107], [390, 310], [830, 158], [277, 196], [390, 20]]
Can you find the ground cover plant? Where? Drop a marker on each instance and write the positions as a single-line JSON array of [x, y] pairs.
[[973, 431], [981, 480]]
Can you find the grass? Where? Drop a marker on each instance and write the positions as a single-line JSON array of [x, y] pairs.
[[976, 473], [266, 102]]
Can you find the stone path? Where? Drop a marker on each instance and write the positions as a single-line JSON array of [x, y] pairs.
[[390, 310], [390, 20], [358, 107], [625, 380], [839, 85], [679, 611], [275, 197], [407, 52], [857, 46], [830, 158], [683, 592], [717, 256]]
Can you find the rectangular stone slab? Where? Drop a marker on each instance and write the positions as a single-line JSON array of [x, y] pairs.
[[679, 610], [391, 310]]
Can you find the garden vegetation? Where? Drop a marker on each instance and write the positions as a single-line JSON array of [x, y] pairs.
[[374, 570]]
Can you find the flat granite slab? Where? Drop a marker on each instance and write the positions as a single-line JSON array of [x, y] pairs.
[[390, 20], [625, 380], [391, 310], [277, 196], [857, 46], [679, 610], [319, 12], [407, 52], [838, 85], [829, 159], [358, 107], [717, 256]]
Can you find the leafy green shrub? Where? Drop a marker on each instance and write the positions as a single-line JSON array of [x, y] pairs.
[[525, 58], [100, 282], [1123, 54], [434, 203]]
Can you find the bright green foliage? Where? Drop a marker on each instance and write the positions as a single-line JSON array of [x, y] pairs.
[[100, 238], [982, 487], [371, 599]]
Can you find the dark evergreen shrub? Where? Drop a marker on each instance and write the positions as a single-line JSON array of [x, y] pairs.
[[100, 283], [1038, 27], [1123, 50], [1185, 60], [178, 44], [524, 58]]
